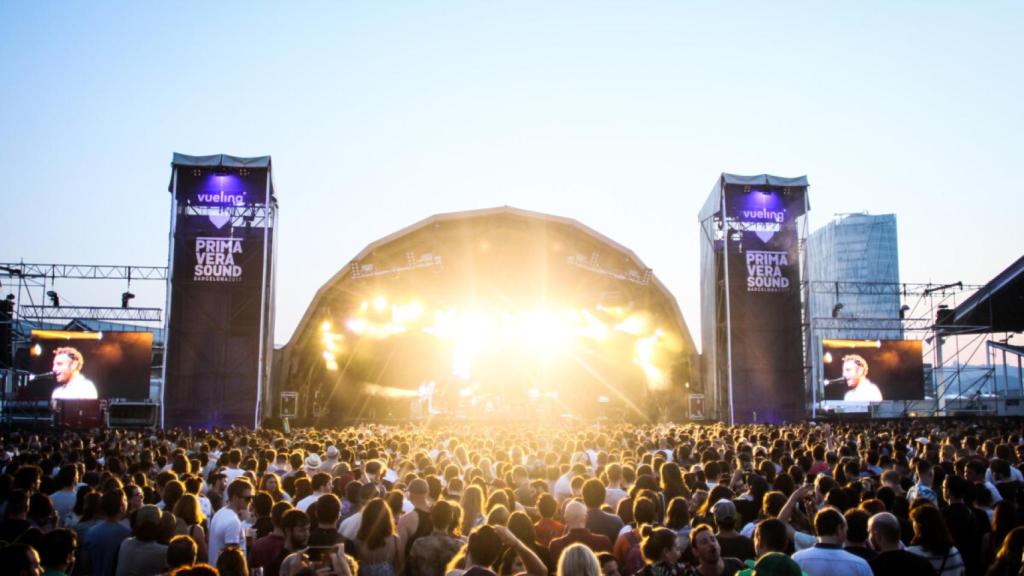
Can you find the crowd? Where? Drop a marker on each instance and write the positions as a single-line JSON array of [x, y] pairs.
[[862, 498]]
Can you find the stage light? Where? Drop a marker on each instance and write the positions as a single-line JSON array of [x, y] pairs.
[[125, 297], [325, 326], [54, 298], [37, 350], [836, 309], [465, 392], [332, 365], [534, 393], [903, 311], [827, 358], [603, 399], [634, 325], [356, 325], [380, 303]]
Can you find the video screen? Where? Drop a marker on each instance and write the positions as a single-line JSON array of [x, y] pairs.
[[84, 365], [872, 370]]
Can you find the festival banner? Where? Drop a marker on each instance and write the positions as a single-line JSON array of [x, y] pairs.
[[764, 292]]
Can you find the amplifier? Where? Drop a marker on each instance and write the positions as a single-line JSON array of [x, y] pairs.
[[79, 414], [132, 415]]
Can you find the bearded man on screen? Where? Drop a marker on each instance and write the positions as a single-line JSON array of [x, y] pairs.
[[859, 388], [67, 371]]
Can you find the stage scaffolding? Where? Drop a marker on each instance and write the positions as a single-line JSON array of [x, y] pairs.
[[961, 371]]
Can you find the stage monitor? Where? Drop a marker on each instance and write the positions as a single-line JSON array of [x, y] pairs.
[[113, 364], [872, 370]]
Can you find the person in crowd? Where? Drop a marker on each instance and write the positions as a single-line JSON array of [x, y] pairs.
[[271, 484], [226, 525], [430, 554], [232, 562], [576, 531], [892, 559], [103, 540], [57, 552], [857, 534], [376, 544], [627, 548], [609, 565], [732, 543], [547, 528], [599, 521], [827, 557], [64, 499], [321, 484], [661, 552], [182, 552], [327, 512], [20, 560], [415, 523], [189, 521], [1008, 558], [708, 554], [269, 551], [142, 554], [578, 560], [933, 542]]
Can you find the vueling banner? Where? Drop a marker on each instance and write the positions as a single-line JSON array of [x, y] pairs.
[[764, 292]]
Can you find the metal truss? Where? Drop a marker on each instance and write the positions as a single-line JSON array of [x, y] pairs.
[[427, 260], [886, 288], [84, 271], [40, 313], [257, 216], [592, 265]]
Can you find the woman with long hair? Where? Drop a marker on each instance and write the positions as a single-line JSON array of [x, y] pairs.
[[377, 548], [519, 525], [672, 484], [578, 560], [1008, 559], [271, 484], [190, 520], [933, 541], [660, 551], [472, 508], [1004, 519]]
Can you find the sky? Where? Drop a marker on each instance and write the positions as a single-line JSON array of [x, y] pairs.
[[620, 115]]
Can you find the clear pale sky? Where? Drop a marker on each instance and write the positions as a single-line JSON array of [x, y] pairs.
[[618, 114]]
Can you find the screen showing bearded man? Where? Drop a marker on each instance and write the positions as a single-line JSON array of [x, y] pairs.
[[67, 371]]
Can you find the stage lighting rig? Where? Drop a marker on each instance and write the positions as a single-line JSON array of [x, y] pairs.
[[125, 298]]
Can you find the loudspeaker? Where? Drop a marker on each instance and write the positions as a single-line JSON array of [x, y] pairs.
[[132, 415]]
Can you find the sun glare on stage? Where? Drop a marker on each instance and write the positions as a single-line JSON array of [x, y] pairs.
[[473, 339]]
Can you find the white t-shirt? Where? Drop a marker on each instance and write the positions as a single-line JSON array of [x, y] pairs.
[[350, 526], [225, 528], [306, 502], [78, 388]]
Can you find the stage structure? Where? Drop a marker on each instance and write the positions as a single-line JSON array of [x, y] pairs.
[[491, 314], [753, 233], [220, 296]]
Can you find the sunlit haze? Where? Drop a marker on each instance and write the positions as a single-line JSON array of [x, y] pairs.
[[620, 115]]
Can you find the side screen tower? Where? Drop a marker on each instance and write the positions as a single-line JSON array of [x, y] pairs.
[[753, 232], [220, 293]]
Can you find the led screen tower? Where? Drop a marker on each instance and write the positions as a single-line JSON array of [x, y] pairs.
[[220, 296], [752, 232]]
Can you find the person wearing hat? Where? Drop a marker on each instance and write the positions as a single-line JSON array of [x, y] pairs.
[[732, 543], [142, 554], [312, 464], [330, 459], [773, 564], [415, 523]]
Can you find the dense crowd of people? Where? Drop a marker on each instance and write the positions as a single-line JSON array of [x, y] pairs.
[[861, 498]]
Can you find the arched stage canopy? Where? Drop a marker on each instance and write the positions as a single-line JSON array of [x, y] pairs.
[[501, 312]]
